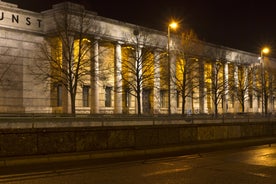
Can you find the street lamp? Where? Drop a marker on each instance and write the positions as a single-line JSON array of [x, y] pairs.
[[265, 50], [172, 25]]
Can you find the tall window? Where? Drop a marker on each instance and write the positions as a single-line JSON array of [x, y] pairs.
[[233, 100], [259, 101], [85, 96], [163, 98], [59, 95], [178, 98], [251, 101], [108, 99], [127, 98], [273, 103]]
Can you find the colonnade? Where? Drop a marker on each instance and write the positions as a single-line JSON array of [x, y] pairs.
[[200, 102]]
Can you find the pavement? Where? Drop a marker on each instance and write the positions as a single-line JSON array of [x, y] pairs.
[[140, 153]]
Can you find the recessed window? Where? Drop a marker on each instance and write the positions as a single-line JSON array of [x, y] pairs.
[[163, 98], [108, 98], [85, 96], [178, 95], [59, 95], [251, 101], [127, 98]]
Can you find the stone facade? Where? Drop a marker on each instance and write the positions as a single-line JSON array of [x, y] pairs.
[[217, 76]]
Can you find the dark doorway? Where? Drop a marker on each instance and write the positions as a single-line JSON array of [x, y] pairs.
[[146, 101]]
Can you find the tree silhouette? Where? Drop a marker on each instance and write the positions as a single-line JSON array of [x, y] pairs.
[[138, 65], [186, 77], [67, 52]]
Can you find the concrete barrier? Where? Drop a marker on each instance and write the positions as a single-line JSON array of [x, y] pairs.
[[37, 140]]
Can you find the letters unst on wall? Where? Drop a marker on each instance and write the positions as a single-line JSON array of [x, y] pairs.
[[14, 19]]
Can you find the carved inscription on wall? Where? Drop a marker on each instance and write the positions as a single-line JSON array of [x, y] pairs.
[[17, 20]]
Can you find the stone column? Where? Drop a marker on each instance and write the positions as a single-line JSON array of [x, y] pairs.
[[214, 85], [118, 79], [255, 98], [139, 64], [172, 84], [189, 87], [236, 78], [202, 90], [94, 78], [270, 99], [156, 85], [246, 95], [226, 88]]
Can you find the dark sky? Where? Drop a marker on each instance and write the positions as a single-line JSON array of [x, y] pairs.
[[241, 24]]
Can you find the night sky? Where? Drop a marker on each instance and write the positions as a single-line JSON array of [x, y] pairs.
[[241, 24]]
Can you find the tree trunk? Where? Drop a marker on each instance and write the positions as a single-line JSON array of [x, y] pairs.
[[139, 103], [183, 104], [73, 103], [266, 105]]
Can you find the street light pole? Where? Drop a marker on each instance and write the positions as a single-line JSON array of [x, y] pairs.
[[263, 51], [172, 25], [169, 73]]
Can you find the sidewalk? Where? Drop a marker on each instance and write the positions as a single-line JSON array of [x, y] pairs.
[[136, 153]]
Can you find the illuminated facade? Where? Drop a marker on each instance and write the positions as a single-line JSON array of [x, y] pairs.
[[121, 63]]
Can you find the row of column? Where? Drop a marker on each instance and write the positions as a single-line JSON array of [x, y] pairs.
[[118, 91], [118, 106], [95, 107], [252, 103]]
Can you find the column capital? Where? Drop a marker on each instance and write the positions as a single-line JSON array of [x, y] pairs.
[[97, 38], [119, 42]]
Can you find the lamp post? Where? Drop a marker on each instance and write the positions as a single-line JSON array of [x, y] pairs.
[[172, 25], [265, 50]]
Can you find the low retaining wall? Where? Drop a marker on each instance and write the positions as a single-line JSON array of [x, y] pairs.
[[13, 122], [37, 141]]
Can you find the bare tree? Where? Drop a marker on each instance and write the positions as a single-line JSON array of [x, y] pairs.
[[10, 80], [268, 83], [215, 81], [67, 51], [5, 68], [186, 77], [241, 84], [265, 82], [272, 88], [10, 70], [138, 65]]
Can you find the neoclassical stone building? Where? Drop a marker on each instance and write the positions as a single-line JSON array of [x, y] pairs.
[[205, 78]]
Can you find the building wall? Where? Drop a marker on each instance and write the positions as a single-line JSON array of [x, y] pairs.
[[20, 35], [11, 89], [22, 91]]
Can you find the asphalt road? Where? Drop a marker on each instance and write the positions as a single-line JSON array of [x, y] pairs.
[[251, 165]]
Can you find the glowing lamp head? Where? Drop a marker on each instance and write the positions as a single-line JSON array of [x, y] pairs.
[[265, 50], [173, 25]]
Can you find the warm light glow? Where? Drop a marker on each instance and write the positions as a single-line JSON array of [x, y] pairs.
[[265, 50], [173, 25]]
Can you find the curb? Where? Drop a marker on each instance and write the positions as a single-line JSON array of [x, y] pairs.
[[135, 153]]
